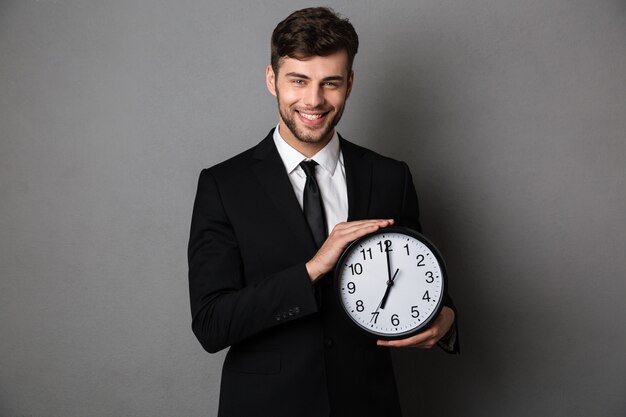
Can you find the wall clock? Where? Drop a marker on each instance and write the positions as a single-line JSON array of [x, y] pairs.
[[391, 283]]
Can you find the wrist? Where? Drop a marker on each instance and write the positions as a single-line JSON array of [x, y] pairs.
[[314, 271]]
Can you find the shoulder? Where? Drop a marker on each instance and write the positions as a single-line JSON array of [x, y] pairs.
[[378, 161], [239, 164]]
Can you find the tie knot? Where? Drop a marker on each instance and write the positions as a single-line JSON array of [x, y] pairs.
[[309, 167]]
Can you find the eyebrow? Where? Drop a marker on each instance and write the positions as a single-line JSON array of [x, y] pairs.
[[305, 77]]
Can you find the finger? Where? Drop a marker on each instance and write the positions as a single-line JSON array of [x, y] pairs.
[[420, 338], [339, 240], [347, 226], [427, 338], [360, 231], [404, 343], [355, 230]]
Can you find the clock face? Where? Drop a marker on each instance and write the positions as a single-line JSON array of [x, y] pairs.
[[391, 282]]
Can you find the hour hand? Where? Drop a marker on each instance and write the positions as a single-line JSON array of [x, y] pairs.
[[389, 285]]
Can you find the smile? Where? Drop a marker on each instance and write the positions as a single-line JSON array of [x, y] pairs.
[[312, 117]]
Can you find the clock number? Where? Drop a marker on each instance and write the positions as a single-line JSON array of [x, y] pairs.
[[351, 288], [429, 277], [369, 251], [414, 312], [395, 320], [374, 317], [407, 249], [359, 306], [356, 268], [426, 296], [420, 260], [387, 244]]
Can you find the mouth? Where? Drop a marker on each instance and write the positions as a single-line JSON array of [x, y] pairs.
[[312, 118]]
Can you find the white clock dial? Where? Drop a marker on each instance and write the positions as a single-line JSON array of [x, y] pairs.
[[391, 283]]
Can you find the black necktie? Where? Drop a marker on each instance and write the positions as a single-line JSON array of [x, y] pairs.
[[312, 204]]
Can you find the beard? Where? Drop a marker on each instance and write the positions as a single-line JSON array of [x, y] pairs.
[[306, 134]]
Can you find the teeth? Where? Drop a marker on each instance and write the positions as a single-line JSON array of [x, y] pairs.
[[311, 116]]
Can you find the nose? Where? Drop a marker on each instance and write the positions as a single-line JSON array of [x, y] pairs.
[[314, 96]]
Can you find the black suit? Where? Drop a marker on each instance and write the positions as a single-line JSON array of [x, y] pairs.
[[292, 354]]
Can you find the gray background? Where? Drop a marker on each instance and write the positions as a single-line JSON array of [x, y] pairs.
[[511, 114]]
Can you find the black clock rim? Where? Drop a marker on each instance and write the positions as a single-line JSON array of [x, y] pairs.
[[444, 281]]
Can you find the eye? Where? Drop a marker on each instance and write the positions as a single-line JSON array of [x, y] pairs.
[[298, 82], [330, 84]]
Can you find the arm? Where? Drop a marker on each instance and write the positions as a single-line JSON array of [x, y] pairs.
[[225, 307]]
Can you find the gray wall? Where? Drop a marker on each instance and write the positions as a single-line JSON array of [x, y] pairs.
[[512, 115]]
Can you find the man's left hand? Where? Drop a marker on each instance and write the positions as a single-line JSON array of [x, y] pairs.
[[428, 338]]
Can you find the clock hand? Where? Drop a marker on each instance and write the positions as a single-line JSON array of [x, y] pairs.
[[389, 279], [389, 285], [388, 263]]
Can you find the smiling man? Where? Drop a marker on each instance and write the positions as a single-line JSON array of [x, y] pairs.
[[268, 228]]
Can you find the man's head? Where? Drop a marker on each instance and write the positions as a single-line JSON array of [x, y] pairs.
[[311, 75], [313, 31]]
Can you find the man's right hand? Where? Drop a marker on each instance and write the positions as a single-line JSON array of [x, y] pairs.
[[340, 237]]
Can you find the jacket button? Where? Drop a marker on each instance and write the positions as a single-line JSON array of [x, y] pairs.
[[328, 342]]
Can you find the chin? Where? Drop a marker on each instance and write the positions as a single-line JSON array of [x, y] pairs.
[[306, 135], [324, 135]]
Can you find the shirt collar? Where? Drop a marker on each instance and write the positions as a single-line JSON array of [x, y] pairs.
[[327, 157]]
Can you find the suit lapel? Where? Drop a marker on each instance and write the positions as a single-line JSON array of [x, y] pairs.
[[270, 171], [358, 179]]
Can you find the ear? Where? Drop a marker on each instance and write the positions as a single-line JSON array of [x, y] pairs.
[[350, 81], [270, 80]]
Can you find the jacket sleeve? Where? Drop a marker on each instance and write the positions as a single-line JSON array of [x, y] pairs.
[[410, 218], [225, 308]]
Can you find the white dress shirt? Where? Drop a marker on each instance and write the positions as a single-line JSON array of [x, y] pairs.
[[330, 175]]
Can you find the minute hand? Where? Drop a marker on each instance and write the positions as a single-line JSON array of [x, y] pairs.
[[387, 250]]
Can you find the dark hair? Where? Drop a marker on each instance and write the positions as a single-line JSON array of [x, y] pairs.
[[313, 31]]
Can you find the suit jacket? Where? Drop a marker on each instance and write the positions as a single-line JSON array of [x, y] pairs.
[[291, 353]]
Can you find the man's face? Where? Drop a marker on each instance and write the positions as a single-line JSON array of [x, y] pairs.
[[311, 94]]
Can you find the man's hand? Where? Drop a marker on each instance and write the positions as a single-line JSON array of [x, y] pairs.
[[341, 235], [427, 338]]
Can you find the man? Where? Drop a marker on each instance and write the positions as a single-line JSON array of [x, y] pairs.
[[260, 274]]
